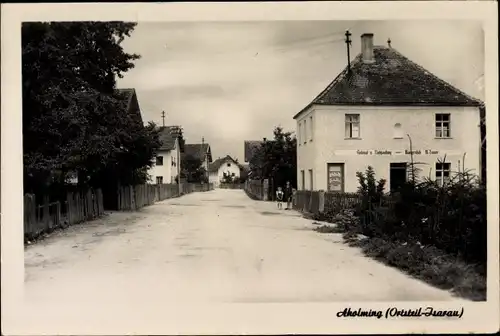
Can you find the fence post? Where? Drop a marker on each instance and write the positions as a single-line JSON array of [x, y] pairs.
[[265, 189], [88, 199], [58, 214], [321, 207], [132, 203], [101, 202], [81, 206], [46, 216]]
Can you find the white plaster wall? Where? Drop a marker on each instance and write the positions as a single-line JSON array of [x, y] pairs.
[[216, 177], [306, 149], [168, 171], [164, 170], [377, 133], [233, 169], [213, 177]]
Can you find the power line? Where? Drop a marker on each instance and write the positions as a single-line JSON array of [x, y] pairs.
[[313, 41]]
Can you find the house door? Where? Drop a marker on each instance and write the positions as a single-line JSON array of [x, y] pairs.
[[397, 175], [336, 177]]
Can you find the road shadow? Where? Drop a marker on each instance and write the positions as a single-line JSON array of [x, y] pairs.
[[185, 204], [269, 213]]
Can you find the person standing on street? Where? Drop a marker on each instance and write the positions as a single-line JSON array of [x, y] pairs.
[[279, 198], [288, 195]]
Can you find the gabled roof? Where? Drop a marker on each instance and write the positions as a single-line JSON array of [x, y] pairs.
[[214, 166], [392, 80], [250, 148], [167, 138], [198, 151], [130, 97]]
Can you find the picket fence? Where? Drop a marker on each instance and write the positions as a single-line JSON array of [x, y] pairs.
[[78, 207], [307, 200], [138, 196], [321, 201], [232, 185], [257, 189]]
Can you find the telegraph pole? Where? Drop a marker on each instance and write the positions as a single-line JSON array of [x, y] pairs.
[[348, 44]]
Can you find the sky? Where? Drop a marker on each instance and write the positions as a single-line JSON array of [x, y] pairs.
[[234, 81]]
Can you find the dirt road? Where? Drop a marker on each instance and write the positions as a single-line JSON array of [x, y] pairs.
[[217, 246]]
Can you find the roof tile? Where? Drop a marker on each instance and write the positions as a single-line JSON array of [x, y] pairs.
[[197, 150], [392, 79]]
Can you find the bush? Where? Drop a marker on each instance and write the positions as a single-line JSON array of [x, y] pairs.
[[371, 192], [429, 264], [451, 216], [328, 229], [434, 232]]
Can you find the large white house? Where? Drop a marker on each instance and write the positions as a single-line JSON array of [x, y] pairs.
[[222, 167], [167, 163], [368, 115]]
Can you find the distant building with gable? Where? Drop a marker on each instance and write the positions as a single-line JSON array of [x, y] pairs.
[[167, 163], [226, 166]]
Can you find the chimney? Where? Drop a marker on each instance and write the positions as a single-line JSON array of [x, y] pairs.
[[367, 48]]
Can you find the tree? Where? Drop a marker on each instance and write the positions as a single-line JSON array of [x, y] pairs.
[[226, 178], [73, 119], [243, 173], [192, 169], [276, 159]]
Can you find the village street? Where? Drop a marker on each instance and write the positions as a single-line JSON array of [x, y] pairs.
[[217, 246]]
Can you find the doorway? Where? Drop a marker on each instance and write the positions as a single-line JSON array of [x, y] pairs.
[[397, 175]]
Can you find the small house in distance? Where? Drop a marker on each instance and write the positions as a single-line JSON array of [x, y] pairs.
[[200, 151], [222, 167], [367, 115], [167, 163]]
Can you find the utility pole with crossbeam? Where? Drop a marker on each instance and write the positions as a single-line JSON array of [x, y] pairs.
[[348, 44]]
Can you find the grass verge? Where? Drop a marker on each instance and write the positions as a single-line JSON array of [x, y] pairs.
[[426, 263]]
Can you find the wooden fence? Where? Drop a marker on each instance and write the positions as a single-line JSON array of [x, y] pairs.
[[138, 196], [232, 185], [78, 207], [257, 189], [320, 201]]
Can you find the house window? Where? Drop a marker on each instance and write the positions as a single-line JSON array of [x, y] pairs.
[[352, 126], [311, 185], [303, 180], [173, 162], [398, 131], [442, 172], [442, 125], [159, 160], [229, 165], [305, 132], [232, 174], [310, 128], [159, 179]]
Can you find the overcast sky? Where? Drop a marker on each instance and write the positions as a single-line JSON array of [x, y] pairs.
[[236, 81]]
